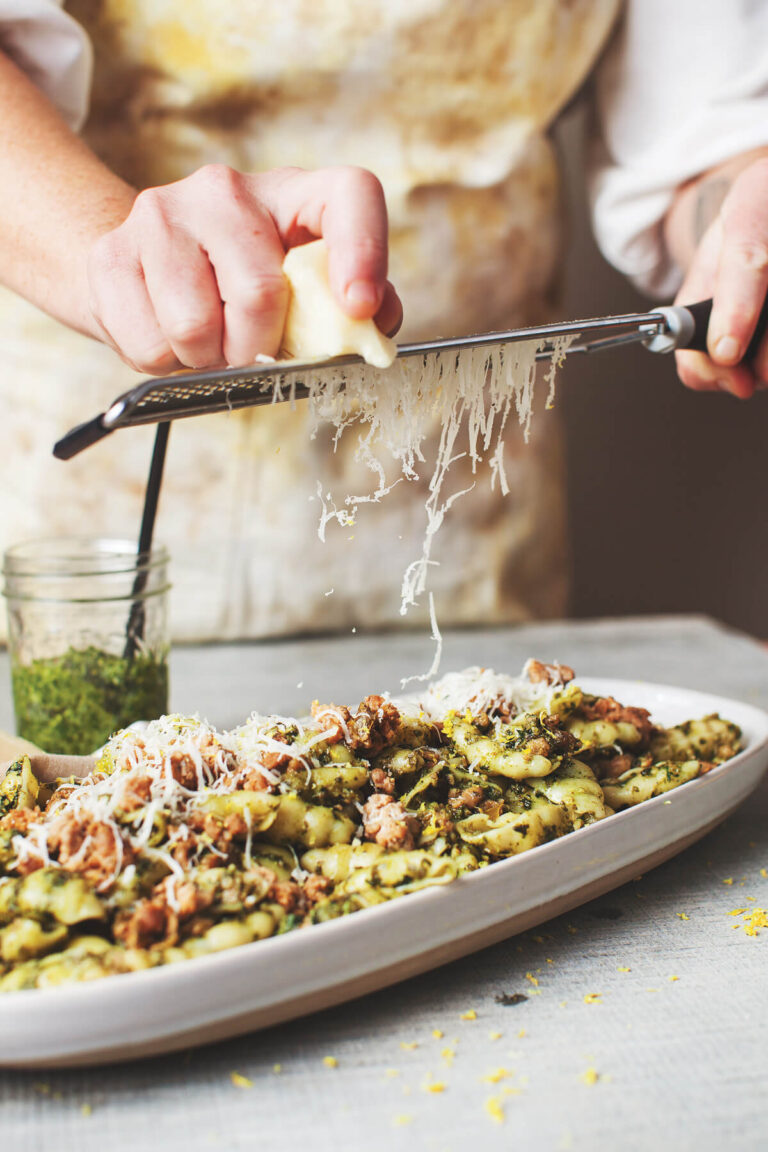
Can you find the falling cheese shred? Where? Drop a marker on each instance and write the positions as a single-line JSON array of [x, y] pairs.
[[394, 406]]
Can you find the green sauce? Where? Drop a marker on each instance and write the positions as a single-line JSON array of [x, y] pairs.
[[74, 702]]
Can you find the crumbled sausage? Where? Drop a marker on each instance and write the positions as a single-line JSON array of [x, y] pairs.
[[94, 848], [316, 887], [471, 797], [373, 727], [382, 781], [20, 819], [555, 673], [606, 708], [385, 822], [151, 922]]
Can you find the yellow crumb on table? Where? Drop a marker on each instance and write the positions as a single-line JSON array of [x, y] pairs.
[[401, 1120], [673, 978], [521, 1033], [240, 1081], [277, 1069], [330, 1062], [593, 998], [622, 969], [757, 918], [495, 1035], [682, 916], [497, 1076], [448, 1055], [764, 873], [390, 1073], [737, 911], [438, 1033], [591, 1076], [86, 1110], [728, 880], [435, 1086], [409, 1045], [530, 976], [470, 1015], [494, 1109]]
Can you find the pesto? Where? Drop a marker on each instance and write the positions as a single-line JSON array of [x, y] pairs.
[[74, 702]]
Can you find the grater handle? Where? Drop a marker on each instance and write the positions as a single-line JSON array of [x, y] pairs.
[[79, 438], [693, 327]]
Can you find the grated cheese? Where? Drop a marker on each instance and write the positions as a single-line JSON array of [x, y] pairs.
[[468, 394]]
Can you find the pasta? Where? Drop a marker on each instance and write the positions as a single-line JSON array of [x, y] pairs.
[[185, 841]]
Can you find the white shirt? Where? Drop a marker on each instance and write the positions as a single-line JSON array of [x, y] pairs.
[[683, 87]]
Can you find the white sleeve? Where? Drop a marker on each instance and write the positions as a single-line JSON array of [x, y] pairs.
[[683, 87], [52, 49]]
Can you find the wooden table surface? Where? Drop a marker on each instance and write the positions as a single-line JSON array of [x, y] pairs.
[[672, 1054]]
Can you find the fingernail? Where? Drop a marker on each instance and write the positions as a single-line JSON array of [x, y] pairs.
[[727, 349], [362, 294]]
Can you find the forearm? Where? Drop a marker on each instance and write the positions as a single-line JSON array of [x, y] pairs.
[[56, 200], [697, 205]]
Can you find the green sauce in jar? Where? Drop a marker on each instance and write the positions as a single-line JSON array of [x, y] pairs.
[[74, 702]]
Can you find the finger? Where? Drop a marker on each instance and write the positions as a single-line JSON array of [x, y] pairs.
[[698, 372], [181, 284], [742, 274], [122, 308], [345, 206], [695, 369], [390, 316], [246, 253]]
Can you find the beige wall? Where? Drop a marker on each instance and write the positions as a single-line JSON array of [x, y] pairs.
[[667, 488]]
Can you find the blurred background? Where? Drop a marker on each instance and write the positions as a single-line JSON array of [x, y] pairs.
[[665, 491]]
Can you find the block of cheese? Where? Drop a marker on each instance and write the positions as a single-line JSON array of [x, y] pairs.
[[316, 327]]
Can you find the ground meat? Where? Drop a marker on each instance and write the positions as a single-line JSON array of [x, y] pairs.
[[188, 900], [316, 887], [93, 848], [382, 781], [385, 822], [220, 832], [252, 780], [539, 673], [20, 819], [613, 766], [606, 708], [373, 727], [135, 793], [151, 922], [289, 895], [559, 741], [471, 797]]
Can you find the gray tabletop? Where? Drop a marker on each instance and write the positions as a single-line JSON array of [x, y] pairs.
[[671, 1053]]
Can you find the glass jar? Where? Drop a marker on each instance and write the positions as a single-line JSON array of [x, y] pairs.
[[88, 639]]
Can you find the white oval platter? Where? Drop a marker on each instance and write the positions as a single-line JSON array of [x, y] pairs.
[[270, 981]]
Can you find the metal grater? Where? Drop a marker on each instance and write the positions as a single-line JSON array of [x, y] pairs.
[[200, 393]]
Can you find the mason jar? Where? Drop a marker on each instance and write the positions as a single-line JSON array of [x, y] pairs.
[[88, 638]]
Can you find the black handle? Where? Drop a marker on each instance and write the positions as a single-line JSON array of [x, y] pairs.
[[80, 438], [701, 313]]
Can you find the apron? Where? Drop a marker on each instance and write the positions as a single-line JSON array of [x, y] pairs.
[[448, 102]]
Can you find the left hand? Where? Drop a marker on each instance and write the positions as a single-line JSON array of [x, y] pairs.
[[731, 265]]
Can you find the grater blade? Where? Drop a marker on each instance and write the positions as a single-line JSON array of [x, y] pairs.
[[226, 390]]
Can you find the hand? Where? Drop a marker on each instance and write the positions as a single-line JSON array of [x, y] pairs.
[[731, 265], [193, 277]]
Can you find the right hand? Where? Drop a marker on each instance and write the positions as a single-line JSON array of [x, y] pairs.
[[193, 276]]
